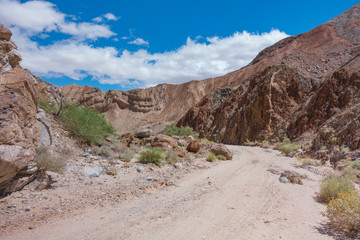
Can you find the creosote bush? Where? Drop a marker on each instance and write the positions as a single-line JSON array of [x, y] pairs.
[[286, 147], [46, 161], [333, 186], [211, 157], [152, 155], [88, 124], [83, 122], [344, 213], [173, 130]]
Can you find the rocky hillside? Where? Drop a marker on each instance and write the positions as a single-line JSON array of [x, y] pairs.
[[24, 128], [302, 83], [312, 55]]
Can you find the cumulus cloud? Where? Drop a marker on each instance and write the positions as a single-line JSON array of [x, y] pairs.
[[110, 16], [74, 57], [107, 16], [139, 41], [37, 17], [108, 65]]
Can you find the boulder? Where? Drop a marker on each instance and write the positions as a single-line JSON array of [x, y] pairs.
[[194, 146], [93, 171], [164, 141], [5, 33], [221, 149], [144, 133]]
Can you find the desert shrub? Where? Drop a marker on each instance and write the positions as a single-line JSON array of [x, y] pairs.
[[305, 161], [171, 156], [48, 106], [111, 171], [331, 187], [344, 213], [46, 161], [135, 148], [286, 147], [173, 130], [127, 155], [306, 146], [349, 172], [211, 157], [356, 164], [152, 155], [221, 157], [105, 151], [251, 143], [88, 124], [345, 149], [323, 148], [96, 150]]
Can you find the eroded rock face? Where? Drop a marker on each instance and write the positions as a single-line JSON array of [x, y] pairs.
[[19, 128], [23, 127], [290, 89]]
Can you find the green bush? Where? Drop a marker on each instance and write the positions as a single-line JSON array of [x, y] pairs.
[[221, 157], [286, 147], [173, 130], [332, 187], [48, 106], [211, 157], [152, 155], [83, 122], [344, 213]]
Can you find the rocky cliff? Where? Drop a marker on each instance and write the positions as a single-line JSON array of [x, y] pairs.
[[23, 127], [299, 84]]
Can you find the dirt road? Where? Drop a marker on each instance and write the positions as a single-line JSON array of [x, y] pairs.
[[238, 199]]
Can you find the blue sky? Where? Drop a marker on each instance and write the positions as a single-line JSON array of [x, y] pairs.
[[129, 44]]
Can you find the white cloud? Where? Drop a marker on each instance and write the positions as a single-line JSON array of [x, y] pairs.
[[98, 19], [110, 16], [139, 41], [191, 61], [76, 58], [107, 16], [37, 17]]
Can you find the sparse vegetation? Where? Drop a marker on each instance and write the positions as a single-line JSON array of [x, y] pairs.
[[333, 186], [111, 171], [105, 151], [221, 157], [305, 161], [46, 161], [286, 147], [152, 155], [83, 122], [211, 157], [344, 213], [48, 106], [173, 130], [127, 155], [171, 156], [88, 124]]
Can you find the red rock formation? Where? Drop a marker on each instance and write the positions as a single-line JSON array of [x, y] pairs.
[[290, 94]]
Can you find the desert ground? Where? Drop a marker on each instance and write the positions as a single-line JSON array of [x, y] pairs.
[[238, 199]]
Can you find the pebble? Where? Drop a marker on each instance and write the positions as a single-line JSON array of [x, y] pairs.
[[140, 169], [284, 180]]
